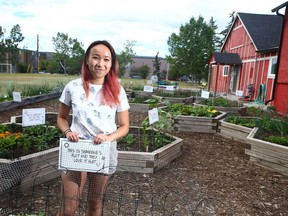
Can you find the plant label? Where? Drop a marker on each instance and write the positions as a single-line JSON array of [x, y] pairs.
[[239, 93], [16, 96], [170, 88], [205, 94], [148, 89], [153, 116], [34, 116], [84, 156]]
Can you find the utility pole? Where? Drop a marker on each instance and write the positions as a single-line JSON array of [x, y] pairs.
[[37, 55]]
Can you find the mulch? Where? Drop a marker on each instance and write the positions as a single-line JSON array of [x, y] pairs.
[[211, 169]]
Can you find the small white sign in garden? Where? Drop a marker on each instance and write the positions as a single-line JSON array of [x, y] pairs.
[[84, 156], [153, 115], [35, 116], [148, 89], [205, 94], [170, 88], [16, 96]]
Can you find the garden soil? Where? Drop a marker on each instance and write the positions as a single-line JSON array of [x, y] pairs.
[[211, 169]]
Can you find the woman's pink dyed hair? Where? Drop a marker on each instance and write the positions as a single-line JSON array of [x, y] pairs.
[[111, 86]]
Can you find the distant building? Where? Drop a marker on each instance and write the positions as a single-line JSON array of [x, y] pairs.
[[138, 61]]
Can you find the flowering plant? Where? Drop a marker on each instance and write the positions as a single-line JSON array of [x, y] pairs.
[[16, 141]]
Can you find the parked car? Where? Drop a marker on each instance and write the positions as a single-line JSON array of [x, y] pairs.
[[185, 78]]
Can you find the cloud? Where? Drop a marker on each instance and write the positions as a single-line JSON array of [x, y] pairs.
[[149, 23]]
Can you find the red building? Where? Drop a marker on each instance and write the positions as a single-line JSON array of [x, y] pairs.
[[246, 63], [280, 93]]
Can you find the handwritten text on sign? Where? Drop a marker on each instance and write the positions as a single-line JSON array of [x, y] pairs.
[[35, 116], [84, 156]]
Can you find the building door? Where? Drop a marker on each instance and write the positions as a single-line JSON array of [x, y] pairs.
[[234, 79]]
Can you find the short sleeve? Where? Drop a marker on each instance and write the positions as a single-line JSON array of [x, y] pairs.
[[124, 105], [66, 95]]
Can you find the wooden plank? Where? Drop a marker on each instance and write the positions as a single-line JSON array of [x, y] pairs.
[[232, 135], [277, 157], [134, 169], [266, 157], [140, 163], [196, 130], [269, 165], [223, 124], [195, 123], [136, 155], [165, 162], [167, 158]]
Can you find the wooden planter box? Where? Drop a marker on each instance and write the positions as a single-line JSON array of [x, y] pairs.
[[150, 162], [229, 110], [29, 100], [267, 154], [138, 107], [29, 170], [197, 124], [233, 131]]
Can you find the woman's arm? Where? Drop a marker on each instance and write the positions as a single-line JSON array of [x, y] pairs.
[[123, 129], [63, 123]]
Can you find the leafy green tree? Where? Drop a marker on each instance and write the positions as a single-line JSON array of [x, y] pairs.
[[224, 33], [157, 64], [216, 38], [125, 56], [69, 53], [9, 50], [142, 71], [191, 48]]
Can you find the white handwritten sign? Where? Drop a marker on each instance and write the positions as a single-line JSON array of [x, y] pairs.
[[148, 89], [170, 88], [239, 93], [153, 116], [205, 94], [84, 156], [34, 116], [16, 96]]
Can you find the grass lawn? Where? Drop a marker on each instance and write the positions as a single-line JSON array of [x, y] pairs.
[[20, 80]]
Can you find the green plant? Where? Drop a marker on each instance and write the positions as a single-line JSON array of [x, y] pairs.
[[129, 139], [238, 120], [189, 110], [164, 124], [16, 141], [221, 102]]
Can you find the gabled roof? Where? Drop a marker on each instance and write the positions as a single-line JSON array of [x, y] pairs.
[[224, 58], [264, 30]]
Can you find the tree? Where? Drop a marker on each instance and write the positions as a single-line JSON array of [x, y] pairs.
[[142, 71], [69, 53], [9, 50], [191, 48], [157, 64], [226, 30], [125, 56]]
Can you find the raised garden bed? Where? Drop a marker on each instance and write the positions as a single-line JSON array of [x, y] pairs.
[[150, 162], [29, 100], [233, 131], [267, 154], [197, 124]]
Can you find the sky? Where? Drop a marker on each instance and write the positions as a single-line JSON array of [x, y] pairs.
[[149, 23]]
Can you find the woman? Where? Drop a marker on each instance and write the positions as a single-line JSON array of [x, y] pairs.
[[94, 99]]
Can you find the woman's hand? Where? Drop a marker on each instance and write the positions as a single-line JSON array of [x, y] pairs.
[[72, 136], [100, 138]]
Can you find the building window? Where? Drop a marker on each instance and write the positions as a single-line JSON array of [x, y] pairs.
[[272, 67], [225, 70]]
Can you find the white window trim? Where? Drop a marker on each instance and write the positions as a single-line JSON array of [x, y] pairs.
[[223, 73], [270, 67]]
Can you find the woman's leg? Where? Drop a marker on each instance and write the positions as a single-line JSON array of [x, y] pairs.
[[97, 183], [73, 183]]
